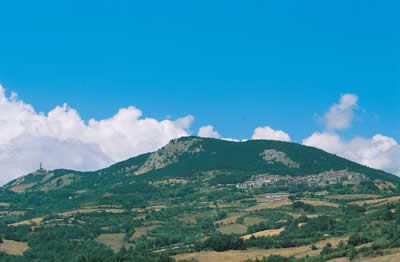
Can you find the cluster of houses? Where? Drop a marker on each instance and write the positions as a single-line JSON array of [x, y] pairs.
[[331, 177]]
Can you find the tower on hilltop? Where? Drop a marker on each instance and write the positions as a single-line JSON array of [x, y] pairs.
[[41, 169]]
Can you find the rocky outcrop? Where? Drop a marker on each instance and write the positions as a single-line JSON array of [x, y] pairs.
[[170, 154], [273, 156]]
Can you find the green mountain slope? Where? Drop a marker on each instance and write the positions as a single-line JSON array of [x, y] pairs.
[[187, 157], [173, 199]]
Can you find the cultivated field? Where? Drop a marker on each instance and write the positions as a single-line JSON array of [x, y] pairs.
[[249, 221], [353, 196], [13, 247], [376, 201], [272, 204], [115, 241], [233, 229], [141, 231], [319, 203]]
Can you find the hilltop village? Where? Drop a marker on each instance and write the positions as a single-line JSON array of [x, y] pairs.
[[343, 177]]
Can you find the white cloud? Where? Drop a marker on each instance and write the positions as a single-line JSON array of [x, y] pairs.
[[208, 131], [233, 139], [341, 115], [379, 152], [23, 154], [61, 139], [270, 134]]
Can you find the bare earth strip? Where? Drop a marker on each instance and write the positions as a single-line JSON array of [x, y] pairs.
[[90, 210], [319, 203], [28, 222], [38, 220], [296, 215], [353, 196], [238, 256], [375, 201], [265, 233], [13, 247], [272, 204]]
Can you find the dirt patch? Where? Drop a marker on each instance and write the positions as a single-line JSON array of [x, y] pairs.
[[156, 208], [382, 201], [13, 247], [170, 181], [4, 204], [60, 182], [37, 220], [22, 188], [265, 233], [384, 185]]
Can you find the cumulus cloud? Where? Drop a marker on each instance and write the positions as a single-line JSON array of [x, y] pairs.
[[61, 139], [379, 152], [341, 115], [271, 134], [208, 131]]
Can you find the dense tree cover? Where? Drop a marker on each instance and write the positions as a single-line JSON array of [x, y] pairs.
[[220, 242]]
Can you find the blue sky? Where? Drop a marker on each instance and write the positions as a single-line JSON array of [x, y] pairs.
[[236, 65]]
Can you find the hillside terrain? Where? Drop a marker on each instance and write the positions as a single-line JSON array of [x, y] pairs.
[[201, 199]]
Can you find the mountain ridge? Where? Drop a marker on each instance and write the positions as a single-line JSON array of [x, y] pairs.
[[185, 153]]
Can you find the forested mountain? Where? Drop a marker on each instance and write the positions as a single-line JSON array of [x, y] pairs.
[[201, 194]]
